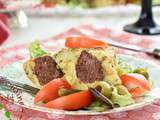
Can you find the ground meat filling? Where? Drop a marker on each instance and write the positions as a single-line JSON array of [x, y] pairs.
[[88, 68], [46, 69]]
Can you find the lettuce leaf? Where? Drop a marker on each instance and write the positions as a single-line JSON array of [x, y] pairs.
[[123, 67], [36, 50], [121, 96]]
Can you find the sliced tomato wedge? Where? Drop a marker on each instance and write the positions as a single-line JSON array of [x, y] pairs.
[[137, 92], [50, 90], [71, 102], [137, 84], [83, 42]]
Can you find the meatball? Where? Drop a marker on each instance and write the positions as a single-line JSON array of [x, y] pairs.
[[46, 69], [88, 68]]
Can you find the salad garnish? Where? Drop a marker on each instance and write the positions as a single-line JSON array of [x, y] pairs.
[[86, 75]]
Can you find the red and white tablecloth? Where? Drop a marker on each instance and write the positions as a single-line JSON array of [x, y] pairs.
[[20, 52]]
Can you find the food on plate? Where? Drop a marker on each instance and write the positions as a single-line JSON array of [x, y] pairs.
[[143, 72], [51, 89], [41, 67], [67, 76], [137, 84], [72, 102], [83, 66], [83, 42], [86, 3], [52, 3]]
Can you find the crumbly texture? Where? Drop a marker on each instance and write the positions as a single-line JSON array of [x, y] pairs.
[[29, 70], [41, 70], [82, 68], [67, 59]]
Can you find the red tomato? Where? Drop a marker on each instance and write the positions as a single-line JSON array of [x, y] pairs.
[[71, 102], [4, 31], [137, 92], [83, 42], [50, 90], [137, 84], [48, 4]]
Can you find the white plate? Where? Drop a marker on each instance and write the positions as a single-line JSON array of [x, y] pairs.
[[15, 72]]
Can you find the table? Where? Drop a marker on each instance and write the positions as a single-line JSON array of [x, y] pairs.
[[42, 28]]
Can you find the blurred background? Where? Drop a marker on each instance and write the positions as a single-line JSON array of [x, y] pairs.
[[22, 21]]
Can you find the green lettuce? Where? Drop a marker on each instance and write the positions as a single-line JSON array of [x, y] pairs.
[[123, 67], [121, 96], [36, 50], [79, 3], [97, 106], [156, 2]]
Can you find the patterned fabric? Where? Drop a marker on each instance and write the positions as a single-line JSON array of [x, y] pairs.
[[19, 52]]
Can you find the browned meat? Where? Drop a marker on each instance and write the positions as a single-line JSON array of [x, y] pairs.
[[88, 68], [46, 70]]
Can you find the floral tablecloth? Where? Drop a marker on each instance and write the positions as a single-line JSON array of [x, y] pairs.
[[19, 52]]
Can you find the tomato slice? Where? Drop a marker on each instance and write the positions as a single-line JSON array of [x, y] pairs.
[[137, 84], [71, 102], [83, 42], [137, 92], [50, 90]]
